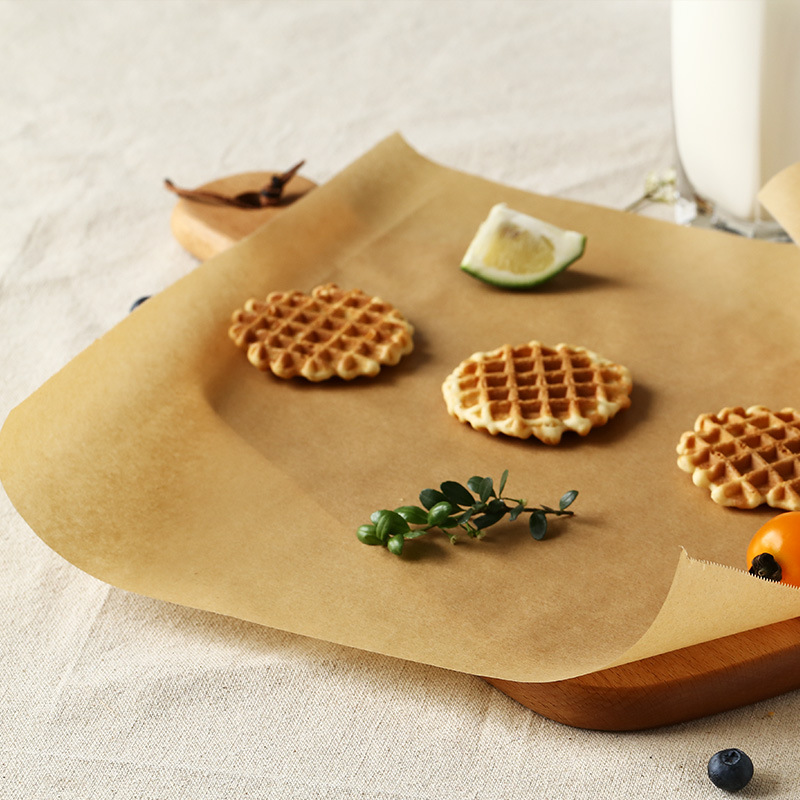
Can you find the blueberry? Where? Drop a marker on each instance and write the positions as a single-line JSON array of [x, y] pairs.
[[730, 769], [138, 302]]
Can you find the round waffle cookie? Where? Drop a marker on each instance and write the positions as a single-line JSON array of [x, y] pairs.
[[329, 332], [745, 458], [535, 390]]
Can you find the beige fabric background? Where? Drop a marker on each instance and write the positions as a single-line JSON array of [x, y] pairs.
[[106, 694]]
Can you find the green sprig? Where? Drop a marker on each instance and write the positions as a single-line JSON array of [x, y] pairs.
[[472, 508]]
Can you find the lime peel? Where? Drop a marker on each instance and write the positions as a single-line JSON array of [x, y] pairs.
[[516, 251]]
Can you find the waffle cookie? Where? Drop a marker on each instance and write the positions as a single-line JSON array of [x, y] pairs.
[[745, 458], [535, 390], [329, 332]]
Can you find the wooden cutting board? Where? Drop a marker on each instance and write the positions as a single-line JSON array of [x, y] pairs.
[[207, 228], [675, 687]]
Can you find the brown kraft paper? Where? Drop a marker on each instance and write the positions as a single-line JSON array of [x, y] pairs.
[[160, 461]]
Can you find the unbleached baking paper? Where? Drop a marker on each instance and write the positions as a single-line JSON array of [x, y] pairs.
[[160, 461]]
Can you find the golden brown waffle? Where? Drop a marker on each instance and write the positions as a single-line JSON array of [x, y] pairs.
[[535, 390], [329, 332], [745, 458]]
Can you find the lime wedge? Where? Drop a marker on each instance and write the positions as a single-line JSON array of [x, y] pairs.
[[517, 251]]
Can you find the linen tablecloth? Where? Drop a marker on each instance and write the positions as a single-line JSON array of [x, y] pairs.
[[109, 694]]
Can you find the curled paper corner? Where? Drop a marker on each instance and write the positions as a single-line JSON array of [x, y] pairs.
[[781, 197], [708, 601]]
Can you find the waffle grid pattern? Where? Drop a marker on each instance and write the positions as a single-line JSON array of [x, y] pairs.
[[329, 332], [535, 390], [745, 457]]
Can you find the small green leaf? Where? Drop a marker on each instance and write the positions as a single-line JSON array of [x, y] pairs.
[[487, 489], [503, 480], [487, 519], [430, 497], [415, 534], [439, 513], [516, 511], [413, 514], [457, 494], [497, 506], [475, 483], [389, 524], [465, 516], [366, 534], [395, 544], [568, 499], [450, 522], [538, 524]]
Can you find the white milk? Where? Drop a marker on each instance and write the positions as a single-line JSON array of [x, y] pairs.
[[736, 96]]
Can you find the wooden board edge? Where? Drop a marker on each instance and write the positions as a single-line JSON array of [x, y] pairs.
[[675, 687]]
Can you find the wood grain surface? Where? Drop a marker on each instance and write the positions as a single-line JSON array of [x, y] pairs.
[[205, 229], [674, 687]]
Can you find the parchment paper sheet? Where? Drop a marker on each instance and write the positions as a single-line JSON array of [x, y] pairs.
[[779, 195], [161, 462]]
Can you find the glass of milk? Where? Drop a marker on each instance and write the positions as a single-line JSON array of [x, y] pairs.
[[736, 106]]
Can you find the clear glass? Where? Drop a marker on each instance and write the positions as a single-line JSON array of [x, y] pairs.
[[736, 108]]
